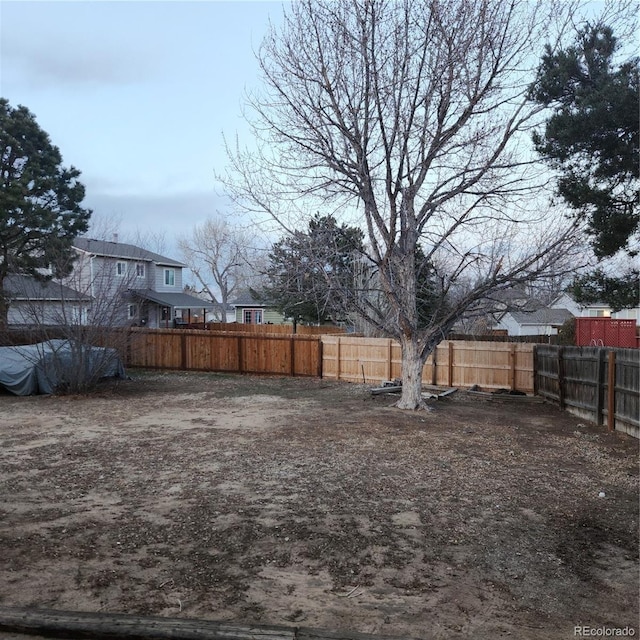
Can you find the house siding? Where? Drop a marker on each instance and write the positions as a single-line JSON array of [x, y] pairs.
[[46, 313], [269, 316], [158, 279]]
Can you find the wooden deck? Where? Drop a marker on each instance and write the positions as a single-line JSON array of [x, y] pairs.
[[42, 623]]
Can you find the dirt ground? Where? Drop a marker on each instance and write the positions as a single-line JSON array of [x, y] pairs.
[[311, 503]]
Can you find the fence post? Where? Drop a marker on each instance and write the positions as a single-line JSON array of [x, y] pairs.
[[320, 356], [450, 372], [338, 359], [561, 381], [292, 357], [512, 367], [600, 381], [611, 392], [389, 348]]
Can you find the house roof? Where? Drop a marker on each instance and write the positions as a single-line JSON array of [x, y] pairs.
[[21, 287], [248, 299], [542, 316], [123, 250], [176, 300]]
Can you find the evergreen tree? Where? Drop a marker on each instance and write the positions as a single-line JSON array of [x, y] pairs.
[[592, 140], [40, 212], [311, 273]]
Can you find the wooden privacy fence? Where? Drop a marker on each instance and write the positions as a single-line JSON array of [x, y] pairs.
[[300, 329], [598, 384], [490, 365], [236, 352]]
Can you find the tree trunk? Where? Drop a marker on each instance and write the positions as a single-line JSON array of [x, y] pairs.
[[412, 365]]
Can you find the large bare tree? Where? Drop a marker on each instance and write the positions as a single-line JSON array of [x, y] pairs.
[[411, 117], [224, 259]]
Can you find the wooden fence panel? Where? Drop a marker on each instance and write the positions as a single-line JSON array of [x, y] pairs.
[[595, 383], [158, 349], [308, 330], [266, 355], [490, 365], [227, 351], [307, 358], [627, 390], [238, 327], [287, 329], [206, 352], [546, 372]]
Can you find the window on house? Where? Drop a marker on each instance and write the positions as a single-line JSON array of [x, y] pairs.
[[121, 268], [140, 270], [170, 277], [253, 316], [133, 311]]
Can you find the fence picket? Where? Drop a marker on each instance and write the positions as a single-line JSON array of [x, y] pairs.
[[592, 382]]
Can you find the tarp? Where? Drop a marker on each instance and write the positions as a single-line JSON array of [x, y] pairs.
[[46, 366]]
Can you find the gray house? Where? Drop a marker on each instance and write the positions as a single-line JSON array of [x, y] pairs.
[[132, 286], [44, 302], [542, 322]]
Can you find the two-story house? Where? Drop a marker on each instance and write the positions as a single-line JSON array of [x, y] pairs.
[[130, 285]]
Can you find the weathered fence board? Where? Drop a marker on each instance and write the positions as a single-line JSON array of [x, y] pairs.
[[596, 383], [490, 365]]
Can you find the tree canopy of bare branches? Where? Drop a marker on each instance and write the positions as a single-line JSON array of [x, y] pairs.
[[223, 258], [411, 118]]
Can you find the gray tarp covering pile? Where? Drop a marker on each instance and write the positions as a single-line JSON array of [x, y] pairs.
[[43, 367]]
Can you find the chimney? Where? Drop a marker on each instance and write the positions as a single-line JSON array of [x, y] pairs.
[[115, 237]]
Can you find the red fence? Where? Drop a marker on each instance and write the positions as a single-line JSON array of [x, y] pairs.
[[606, 332]]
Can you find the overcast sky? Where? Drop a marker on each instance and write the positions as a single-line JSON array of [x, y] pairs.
[[137, 95]]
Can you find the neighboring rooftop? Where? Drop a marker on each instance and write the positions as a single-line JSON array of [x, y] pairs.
[[176, 300], [123, 250], [542, 316], [22, 287], [248, 297]]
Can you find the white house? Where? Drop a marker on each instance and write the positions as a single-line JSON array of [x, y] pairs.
[[547, 320], [543, 322], [595, 310]]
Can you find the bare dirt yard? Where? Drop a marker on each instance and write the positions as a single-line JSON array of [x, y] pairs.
[[310, 503]]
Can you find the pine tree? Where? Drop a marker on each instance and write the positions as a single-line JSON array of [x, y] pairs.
[[40, 212], [592, 140]]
